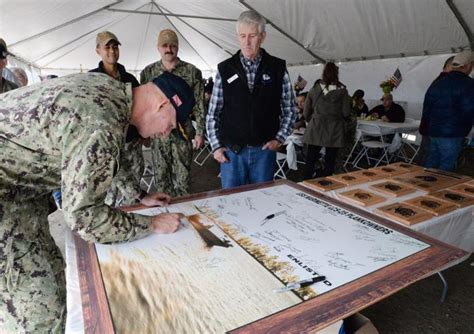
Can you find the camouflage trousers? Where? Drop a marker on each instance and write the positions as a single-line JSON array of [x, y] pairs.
[[32, 280], [172, 159]]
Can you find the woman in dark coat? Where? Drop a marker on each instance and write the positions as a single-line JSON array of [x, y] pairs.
[[327, 106]]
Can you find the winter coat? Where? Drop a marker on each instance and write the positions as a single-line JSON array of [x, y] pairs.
[[326, 112], [448, 109]]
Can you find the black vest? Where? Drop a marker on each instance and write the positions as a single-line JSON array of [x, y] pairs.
[[251, 118]]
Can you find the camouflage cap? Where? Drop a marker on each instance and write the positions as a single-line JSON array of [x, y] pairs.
[[105, 37], [168, 36], [179, 93], [3, 49]]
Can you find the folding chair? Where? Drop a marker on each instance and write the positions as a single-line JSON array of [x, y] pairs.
[[281, 165], [411, 143], [358, 136], [148, 177], [205, 152], [372, 130]]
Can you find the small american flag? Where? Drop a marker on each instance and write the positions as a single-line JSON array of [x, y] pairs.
[[300, 82], [396, 78]]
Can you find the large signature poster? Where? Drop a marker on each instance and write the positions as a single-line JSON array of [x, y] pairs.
[[218, 272]]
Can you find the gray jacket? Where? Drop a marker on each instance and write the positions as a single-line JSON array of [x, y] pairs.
[[325, 112]]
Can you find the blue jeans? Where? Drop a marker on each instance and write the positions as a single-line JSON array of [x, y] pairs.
[[250, 165], [444, 153]]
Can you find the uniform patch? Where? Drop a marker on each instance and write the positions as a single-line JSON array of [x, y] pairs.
[[177, 100]]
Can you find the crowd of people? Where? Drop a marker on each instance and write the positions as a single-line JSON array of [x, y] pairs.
[[82, 135]]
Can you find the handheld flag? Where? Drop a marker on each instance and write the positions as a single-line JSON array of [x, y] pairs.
[[300, 83], [396, 78]]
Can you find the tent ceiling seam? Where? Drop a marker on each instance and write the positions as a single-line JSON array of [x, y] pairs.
[[105, 25], [385, 56], [141, 47], [187, 41], [62, 25], [200, 33], [172, 14], [69, 42], [294, 40], [462, 22]]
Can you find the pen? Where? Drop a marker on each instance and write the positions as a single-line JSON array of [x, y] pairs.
[[273, 215], [301, 284]]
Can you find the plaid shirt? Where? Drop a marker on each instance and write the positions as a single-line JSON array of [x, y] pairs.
[[216, 103]]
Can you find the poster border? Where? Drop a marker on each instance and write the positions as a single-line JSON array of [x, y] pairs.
[[311, 315]]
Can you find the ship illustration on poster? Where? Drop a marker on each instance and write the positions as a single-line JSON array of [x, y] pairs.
[[209, 238]]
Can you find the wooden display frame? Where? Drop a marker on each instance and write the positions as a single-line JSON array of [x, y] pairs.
[[349, 179], [397, 211], [464, 189], [456, 198], [352, 196], [312, 315], [435, 206], [430, 180], [408, 167], [391, 170], [372, 175], [393, 189], [319, 184]]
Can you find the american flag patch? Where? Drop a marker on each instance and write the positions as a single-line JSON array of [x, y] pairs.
[[177, 100]]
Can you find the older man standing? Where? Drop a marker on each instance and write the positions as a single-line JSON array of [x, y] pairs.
[[5, 85], [252, 108], [69, 133], [172, 156], [448, 110]]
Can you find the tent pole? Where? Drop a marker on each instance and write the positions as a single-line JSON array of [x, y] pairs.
[[64, 24], [462, 22], [320, 60]]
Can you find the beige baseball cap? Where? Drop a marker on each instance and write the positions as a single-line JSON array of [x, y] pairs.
[[167, 36], [105, 37], [463, 58]]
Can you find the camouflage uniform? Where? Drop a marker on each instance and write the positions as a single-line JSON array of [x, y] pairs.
[[6, 85], [172, 156], [125, 187], [65, 133]]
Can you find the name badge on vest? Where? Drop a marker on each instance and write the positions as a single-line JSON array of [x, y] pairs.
[[266, 79], [232, 78]]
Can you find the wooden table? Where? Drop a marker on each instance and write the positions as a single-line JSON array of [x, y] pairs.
[[311, 315]]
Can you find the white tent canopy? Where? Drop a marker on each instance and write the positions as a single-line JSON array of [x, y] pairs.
[[371, 38]]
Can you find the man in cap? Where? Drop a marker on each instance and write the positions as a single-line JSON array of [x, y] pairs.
[[5, 85], [126, 186], [69, 133], [252, 108], [388, 111], [448, 111], [107, 47], [172, 156]]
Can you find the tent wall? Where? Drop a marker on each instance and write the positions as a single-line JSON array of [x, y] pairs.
[[417, 73]]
